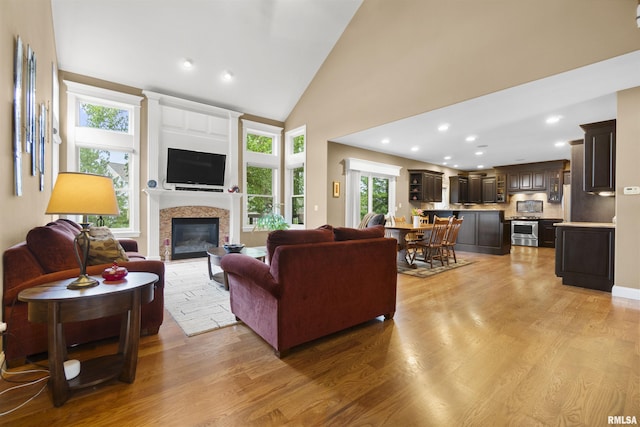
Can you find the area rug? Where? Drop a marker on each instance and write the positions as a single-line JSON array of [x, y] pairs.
[[196, 303], [423, 269]]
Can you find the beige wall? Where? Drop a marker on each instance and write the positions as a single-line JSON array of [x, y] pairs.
[[627, 265], [31, 20], [400, 58]]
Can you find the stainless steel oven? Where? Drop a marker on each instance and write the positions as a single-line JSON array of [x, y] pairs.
[[524, 232]]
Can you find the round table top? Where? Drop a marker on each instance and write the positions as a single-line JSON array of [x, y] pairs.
[[57, 291], [257, 252]]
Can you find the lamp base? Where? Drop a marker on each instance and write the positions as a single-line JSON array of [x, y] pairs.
[[83, 282]]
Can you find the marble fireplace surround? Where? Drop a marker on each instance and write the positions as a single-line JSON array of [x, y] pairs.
[[167, 204]]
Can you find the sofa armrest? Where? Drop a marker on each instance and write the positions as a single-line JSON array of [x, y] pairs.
[[247, 271], [129, 245]]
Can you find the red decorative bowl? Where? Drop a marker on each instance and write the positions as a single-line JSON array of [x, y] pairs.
[[116, 273]]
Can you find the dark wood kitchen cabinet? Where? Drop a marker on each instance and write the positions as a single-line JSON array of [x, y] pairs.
[[483, 231], [425, 186], [458, 189], [489, 190], [475, 189], [585, 255], [600, 156], [554, 194], [527, 181], [547, 233]]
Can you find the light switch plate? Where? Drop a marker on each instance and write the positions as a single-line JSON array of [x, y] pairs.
[[632, 190]]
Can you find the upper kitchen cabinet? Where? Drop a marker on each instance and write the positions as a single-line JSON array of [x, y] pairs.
[[475, 189], [458, 189], [489, 194], [534, 178], [600, 156], [527, 180], [425, 186], [555, 186]]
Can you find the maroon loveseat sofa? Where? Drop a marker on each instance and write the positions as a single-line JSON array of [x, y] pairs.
[[47, 255], [317, 282]]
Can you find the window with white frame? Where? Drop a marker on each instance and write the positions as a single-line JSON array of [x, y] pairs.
[[371, 187], [295, 177], [103, 138], [262, 156]]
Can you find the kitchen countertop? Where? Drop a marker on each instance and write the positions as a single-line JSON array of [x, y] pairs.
[[586, 224]]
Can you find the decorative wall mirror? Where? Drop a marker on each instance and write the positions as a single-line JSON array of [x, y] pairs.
[[42, 136], [17, 117], [31, 146]]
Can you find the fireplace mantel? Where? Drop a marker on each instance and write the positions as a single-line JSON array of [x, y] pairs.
[[180, 123], [161, 199]]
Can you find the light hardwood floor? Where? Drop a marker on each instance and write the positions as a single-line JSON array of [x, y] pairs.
[[499, 342]]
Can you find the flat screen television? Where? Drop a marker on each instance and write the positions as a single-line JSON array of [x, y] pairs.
[[195, 167]]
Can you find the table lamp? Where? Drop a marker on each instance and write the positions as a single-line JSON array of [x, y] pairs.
[[83, 194]]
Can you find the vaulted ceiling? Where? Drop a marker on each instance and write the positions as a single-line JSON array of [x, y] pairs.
[[270, 51]]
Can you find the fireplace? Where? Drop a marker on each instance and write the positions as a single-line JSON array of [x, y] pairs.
[[191, 237]]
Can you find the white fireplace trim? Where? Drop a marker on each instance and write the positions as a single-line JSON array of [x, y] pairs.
[[162, 199]]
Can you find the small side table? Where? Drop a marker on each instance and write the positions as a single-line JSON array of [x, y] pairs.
[[215, 254], [55, 304]]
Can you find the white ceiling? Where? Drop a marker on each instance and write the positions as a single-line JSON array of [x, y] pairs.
[[273, 48]]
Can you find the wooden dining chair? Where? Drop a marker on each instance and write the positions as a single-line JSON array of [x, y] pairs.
[[451, 238], [432, 247]]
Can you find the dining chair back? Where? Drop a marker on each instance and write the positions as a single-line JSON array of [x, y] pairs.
[[433, 246], [451, 238]]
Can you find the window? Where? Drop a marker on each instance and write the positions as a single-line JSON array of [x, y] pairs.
[[261, 143], [370, 187], [295, 160], [374, 194], [103, 138]]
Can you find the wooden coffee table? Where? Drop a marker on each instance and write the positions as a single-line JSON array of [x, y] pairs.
[[54, 304], [215, 255]]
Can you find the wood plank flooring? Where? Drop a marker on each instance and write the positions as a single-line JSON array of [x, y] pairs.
[[499, 342]]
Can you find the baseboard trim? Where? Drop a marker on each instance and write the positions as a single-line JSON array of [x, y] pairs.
[[622, 292]]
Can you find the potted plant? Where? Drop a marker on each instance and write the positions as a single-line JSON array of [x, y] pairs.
[[271, 221]]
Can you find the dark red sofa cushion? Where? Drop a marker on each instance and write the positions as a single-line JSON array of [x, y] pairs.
[[345, 233], [52, 245], [297, 237]]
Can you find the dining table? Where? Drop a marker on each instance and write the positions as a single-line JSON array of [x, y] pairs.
[[399, 231]]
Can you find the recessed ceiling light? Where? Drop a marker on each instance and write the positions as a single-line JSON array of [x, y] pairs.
[[560, 144], [471, 138], [187, 64], [385, 141], [443, 127], [447, 157], [416, 148], [479, 153], [480, 166], [227, 76], [553, 119], [455, 166]]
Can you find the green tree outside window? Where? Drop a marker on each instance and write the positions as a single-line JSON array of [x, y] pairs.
[[114, 164]]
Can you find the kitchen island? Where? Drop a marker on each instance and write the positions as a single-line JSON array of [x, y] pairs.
[[585, 254], [483, 230]]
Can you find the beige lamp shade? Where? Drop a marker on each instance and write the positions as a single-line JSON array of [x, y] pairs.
[[83, 194]]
